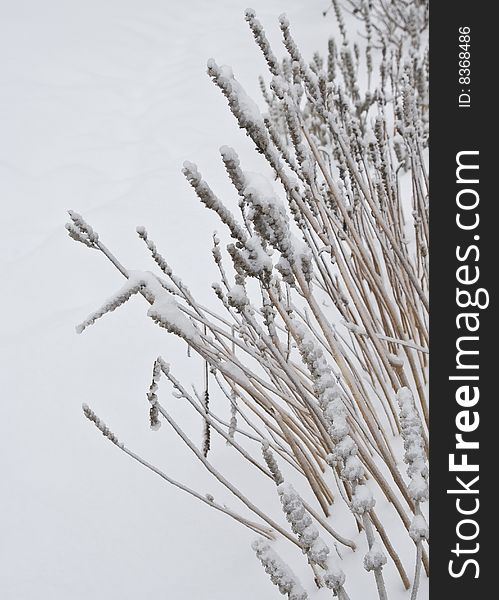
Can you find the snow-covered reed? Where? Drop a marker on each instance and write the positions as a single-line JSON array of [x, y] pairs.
[[320, 346]]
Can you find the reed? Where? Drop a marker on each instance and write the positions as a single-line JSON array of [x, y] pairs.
[[320, 346]]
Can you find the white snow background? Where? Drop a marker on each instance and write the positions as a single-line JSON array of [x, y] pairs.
[[101, 102]]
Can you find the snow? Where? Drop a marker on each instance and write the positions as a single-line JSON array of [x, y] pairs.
[[255, 256], [164, 310], [414, 445], [268, 213], [419, 528], [237, 297], [258, 185], [234, 372], [249, 109], [362, 500], [101, 104], [279, 572], [132, 286], [375, 558]]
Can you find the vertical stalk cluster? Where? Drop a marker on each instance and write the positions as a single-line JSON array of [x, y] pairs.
[[320, 345]]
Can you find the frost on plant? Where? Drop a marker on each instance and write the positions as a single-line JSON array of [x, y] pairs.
[[319, 349], [279, 572]]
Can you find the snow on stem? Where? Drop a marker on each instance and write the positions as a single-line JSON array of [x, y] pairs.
[[322, 327]]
